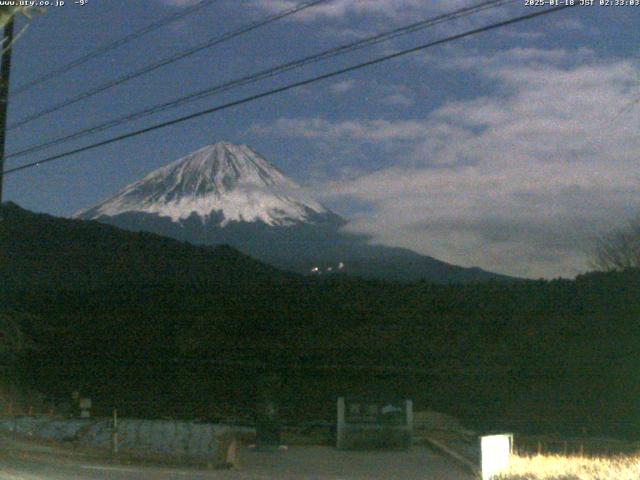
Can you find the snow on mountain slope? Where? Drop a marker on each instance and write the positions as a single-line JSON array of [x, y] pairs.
[[223, 180]]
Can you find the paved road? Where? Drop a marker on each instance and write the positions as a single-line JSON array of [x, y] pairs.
[[297, 463]]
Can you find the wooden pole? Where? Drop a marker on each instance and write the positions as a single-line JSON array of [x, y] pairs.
[[5, 70]]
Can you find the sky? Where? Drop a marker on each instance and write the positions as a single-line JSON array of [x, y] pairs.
[[510, 150]]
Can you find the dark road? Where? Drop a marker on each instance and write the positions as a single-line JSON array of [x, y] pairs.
[[317, 463]]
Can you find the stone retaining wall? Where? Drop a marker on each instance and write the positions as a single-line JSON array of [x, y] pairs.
[[186, 439]]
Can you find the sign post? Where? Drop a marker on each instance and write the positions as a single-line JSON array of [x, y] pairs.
[[495, 453], [374, 423], [115, 432], [268, 413]]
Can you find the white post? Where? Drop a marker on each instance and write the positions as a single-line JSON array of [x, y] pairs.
[[409, 408], [85, 407], [340, 423], [232, 453], [495, 452], [115, 432]]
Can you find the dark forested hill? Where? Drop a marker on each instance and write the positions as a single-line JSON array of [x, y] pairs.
[[159, 327], [47, 252]]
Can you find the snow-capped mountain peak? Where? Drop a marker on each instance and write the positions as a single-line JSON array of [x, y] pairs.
[[222, 180]]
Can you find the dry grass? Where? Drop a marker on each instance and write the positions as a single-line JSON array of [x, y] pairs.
[[558, 467]]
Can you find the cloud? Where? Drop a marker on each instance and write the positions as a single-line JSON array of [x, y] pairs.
[[337, 9], [570, 23], [517, 181], [342, 87], [336, 132], [523, 220], [397, 99], [179, 3], [563, 23], [522, 35], [396, 96], [493, 65]]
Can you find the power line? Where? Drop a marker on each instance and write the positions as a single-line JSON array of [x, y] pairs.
[[268, 73], [167, 61], [290, 86], [111, 46]]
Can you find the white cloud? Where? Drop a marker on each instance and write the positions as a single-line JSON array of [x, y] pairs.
[[343, 86], [397, 99], [335, 132], [523, 220], [396, 96], [522, 35], [396, 9], [458, 58], [179, 3], [339, 8], [570, 23], [518, 181]]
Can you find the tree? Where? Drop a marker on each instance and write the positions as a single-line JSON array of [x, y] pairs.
[[619, 249]]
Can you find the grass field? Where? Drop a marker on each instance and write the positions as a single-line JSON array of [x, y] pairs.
[[558, 467]]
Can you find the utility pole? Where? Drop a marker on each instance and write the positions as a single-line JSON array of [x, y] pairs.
[[5, 70]]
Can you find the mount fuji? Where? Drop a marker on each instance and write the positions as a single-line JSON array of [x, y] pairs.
[[229, 194], [219, 184]]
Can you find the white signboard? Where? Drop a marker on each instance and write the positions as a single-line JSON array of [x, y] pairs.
[[495, 451]]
